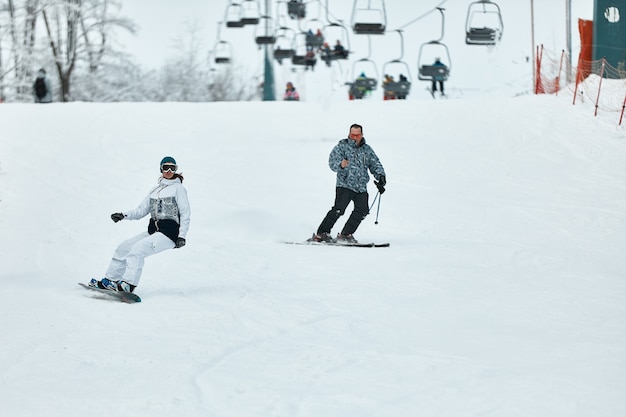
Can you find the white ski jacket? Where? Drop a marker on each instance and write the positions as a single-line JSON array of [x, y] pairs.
[[168, 207]]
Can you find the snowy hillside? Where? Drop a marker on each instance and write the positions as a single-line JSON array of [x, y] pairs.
[[502, 293]]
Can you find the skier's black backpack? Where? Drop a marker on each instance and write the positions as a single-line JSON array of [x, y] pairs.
[[40, 88]]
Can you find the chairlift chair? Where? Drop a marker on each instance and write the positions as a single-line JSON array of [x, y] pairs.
[[334, 32], [311, 28], [250, 12], [296, 9], [363, 83], [303, 61], [430, 50], [284, 45], [483, 25], [300, 56], [265, 31], [368, 20], [428, 71], [223, 52], [232, 15], [399, 88]]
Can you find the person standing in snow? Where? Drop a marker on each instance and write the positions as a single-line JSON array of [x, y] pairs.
[[290, 93], [351, 158], [170, 213], [42, 89]]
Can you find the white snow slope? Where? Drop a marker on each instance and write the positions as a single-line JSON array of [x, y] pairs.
[[503, 292]]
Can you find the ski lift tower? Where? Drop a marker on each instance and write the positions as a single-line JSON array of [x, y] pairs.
[[268, 77]]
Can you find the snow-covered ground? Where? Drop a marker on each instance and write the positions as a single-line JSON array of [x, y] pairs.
[[503, 292]]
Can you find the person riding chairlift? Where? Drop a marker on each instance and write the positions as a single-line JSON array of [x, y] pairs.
[[339, 50], [438, 79]]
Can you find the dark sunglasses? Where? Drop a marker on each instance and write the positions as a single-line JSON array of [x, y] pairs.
[[171, 168]]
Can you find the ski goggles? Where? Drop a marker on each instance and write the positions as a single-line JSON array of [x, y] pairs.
[[170, 168]]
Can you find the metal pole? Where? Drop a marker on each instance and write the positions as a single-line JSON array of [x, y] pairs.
[[568, 35], [268, 76], [532, 34]]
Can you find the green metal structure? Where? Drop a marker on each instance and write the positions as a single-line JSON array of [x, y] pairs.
[[609, 33]]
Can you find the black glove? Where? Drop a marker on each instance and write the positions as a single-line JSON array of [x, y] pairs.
[[379, 185], [116, 217], [180, 242], [382, 181]]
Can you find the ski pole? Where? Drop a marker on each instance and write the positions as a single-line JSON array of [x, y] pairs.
[[374, 202], [378, 208], [377, 197]]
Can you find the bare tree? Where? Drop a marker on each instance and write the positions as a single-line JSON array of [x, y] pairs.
[[184, 76], [189, 77], [77, 37], [79, 31], [22, 44], [97, 24], [62, 19], [231, 84]]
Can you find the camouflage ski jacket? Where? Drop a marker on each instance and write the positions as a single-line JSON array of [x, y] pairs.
[[361, 159]]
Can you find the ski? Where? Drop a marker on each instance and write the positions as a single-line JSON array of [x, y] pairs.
[[350, 245], [125, 297]]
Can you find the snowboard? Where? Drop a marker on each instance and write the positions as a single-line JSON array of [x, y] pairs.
[[125, 297], [349, 245]]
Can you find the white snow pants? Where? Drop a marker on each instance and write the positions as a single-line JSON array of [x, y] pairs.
[[128, 258]]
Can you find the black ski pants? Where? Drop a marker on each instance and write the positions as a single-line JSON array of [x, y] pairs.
[[343, 197], [435, 86]]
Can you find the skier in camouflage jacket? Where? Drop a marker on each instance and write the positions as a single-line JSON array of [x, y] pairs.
[[351, 159]]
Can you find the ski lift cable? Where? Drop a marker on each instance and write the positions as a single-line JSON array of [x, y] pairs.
[[423, 15], [329, 14]]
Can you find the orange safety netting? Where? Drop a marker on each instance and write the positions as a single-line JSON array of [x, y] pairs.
[[596, 80], [585, 29], [548, 72]]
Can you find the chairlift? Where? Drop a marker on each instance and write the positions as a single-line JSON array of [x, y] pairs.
[[296, 9], [313, 38], [335, 32], [483, 25], [368, 20], [431, 72], [400, 88], [363, 84], [284, 45], [265, 31], [362, 71], [313, 27], [302, 55], [223, 52], [212, 75], [341, 48], [427, 70], [250, 12], [232, 15]]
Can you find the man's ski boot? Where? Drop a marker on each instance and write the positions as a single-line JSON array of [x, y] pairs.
[[346, 239], [322, 238]]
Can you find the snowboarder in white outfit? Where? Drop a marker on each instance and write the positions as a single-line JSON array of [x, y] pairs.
[[170, 213]]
